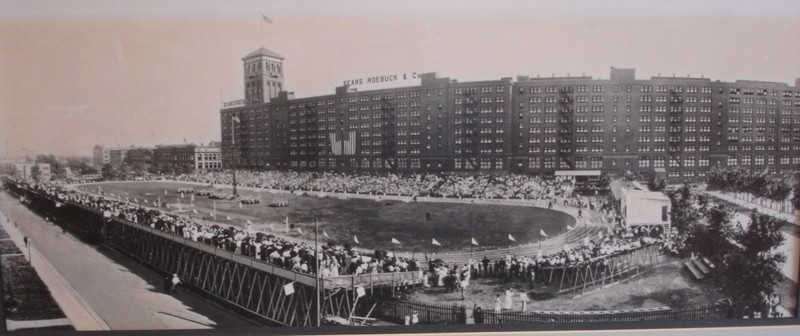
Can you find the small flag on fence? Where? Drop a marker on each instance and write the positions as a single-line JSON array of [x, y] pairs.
[[511, 238], [541, 233], [355, 239], [325, 234], [474, 242], [288, 289], [435, 242], [194, 211], [249, 222], [300, 230], [228, 218], [395, 241], [360, 291], [146, 201]]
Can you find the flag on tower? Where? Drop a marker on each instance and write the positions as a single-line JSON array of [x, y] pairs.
[[266, 19], [474, 242], [541, 233], [511, 238], [355, 239], [395, 241], [435, 242]]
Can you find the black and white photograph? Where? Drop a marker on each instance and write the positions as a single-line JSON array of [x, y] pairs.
[[350, 167]]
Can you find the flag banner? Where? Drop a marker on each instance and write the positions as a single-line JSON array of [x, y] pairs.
[[395, 241], [236, 119], [355, 239], [266, 19], [474, 242], [435, 242], [112, 195], [194, 211], [360, 291], [212, 214], [344, 146], [541, 232], [288, 289], [325, 234], [300, 230], [511, 238], [135, 200], [249, 222], [146, 201], [228, 218]]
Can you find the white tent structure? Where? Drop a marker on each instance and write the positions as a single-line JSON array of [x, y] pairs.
[[645, 208]]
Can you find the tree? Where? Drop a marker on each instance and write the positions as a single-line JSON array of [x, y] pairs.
[[714, 239], [683, 214], [36, 173], [107, 172], [754, 267]]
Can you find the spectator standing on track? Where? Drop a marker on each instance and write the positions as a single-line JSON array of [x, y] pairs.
[[175, 281]]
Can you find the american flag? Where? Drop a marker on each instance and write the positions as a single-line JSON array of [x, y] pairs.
[[344, 146]]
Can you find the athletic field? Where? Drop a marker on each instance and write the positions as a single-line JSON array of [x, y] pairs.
[[374, 222]]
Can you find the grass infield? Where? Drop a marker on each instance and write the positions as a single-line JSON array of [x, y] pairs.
[[374, 222]]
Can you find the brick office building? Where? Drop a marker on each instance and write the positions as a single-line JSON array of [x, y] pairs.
[[683, 125]]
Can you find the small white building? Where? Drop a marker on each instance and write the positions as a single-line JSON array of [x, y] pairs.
[[645, 208], [208, 157], [23, 170]]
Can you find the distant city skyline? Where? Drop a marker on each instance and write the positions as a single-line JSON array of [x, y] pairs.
[[140, 74]]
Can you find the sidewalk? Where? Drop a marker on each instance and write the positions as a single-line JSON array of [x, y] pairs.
[[82, 316], [762, 209]]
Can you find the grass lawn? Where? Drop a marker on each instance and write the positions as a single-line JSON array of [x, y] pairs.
[[374, 222], [27, 297], [667, 285]]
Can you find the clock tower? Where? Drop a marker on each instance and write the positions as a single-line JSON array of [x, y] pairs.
[[263, 75]]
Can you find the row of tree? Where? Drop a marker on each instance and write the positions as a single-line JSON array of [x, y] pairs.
[[747, 257], [760, 185]]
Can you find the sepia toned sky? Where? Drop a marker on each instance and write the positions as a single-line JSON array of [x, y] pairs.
[[154, 72]]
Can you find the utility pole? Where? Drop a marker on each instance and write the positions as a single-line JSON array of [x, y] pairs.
[[317, 255]]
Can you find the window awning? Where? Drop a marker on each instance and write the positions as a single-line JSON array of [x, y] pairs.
[[577, 173]]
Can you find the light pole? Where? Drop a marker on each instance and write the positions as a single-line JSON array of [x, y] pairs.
[[234, 120]]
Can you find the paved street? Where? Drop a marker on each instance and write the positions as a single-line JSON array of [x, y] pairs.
[[106, 288]]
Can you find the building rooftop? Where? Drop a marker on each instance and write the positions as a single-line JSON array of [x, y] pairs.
[[262, 51]]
